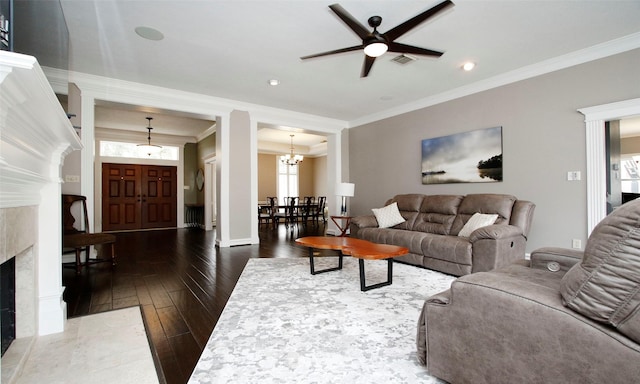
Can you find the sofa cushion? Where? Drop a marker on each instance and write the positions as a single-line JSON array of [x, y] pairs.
[[483, 203], [388, 216], [477, 221], [437, 213], [408, 205], [605, 285], [402, 238], [453, 249]]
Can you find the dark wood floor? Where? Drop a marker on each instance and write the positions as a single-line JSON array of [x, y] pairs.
[[180, 280]]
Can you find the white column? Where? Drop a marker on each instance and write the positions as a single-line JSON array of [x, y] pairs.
[[87, 156], [596, 173], [334, 176], [52, 310], [222, 176], [253, 182]]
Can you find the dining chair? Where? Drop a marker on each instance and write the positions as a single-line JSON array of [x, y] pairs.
[[266, 212], [81, 239], [308, 208], [319, 211]]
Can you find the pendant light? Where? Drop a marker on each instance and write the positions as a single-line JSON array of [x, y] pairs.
[[291, 159], [147, 147]]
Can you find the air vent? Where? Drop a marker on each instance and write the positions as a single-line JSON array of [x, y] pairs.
[[403, 59]]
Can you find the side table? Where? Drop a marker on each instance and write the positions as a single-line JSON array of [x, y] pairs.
[[343, 226]]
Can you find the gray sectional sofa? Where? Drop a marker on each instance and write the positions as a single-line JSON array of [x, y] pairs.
[[432, 224]]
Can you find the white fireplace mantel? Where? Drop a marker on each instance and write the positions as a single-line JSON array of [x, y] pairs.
[[35, 132], [35, 137]]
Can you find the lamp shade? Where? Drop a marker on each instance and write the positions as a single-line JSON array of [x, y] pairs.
[[345, 189]]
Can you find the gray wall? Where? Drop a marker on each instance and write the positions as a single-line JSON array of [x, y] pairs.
[[190, 171], [320, 176], [543, 138], [628, 145], [206, 148]]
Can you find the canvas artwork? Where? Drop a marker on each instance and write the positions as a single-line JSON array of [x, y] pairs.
[[468, 157]]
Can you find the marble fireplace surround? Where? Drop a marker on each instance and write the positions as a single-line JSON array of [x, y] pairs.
[[35, 137]]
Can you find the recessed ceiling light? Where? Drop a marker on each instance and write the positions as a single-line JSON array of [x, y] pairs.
[[149, 33], [468, 66], [274, 82]]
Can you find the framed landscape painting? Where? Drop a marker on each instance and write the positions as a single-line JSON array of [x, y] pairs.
[[468, 157]]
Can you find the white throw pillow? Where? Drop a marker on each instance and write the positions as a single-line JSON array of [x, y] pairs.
[[388, 216], [478, 220]]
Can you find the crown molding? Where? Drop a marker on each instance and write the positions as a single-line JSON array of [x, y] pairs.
[[616, 110], [208, 132], [111, 134], [599, 51], [199, 105]]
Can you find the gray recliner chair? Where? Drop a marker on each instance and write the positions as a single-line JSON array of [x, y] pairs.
[[565, 316]]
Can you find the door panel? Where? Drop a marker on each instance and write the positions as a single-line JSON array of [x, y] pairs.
[[159, 192], [138, 196], [120, 204]]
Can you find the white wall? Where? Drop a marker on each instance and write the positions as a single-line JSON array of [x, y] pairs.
[[543, 138]]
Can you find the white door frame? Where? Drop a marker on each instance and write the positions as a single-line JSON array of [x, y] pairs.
[[210, 214], [594, 119]]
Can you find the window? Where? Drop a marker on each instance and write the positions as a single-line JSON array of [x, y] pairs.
[[287, 181], [630, 173], [130, 150]]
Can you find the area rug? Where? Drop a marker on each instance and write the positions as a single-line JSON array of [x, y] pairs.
[[284, 325]]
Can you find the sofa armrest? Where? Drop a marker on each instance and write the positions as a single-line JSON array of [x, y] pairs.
[[359, 222], [495, 246], [555, 259], [497, 231], [366, 221]]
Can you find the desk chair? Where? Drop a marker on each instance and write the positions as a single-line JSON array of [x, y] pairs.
[[79, 239]]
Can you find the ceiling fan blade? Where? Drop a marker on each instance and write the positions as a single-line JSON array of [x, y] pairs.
[[354, 24], [341, 50], [415, 21], [366, 67], [403, 48]]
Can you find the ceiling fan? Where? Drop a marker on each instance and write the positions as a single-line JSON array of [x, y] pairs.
[[375, 43]]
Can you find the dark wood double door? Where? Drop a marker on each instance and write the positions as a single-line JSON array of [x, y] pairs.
[[138, 196]]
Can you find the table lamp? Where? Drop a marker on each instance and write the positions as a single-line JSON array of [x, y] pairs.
[[345, 190]]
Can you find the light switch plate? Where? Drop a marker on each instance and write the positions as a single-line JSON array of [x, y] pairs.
[[573, 175]]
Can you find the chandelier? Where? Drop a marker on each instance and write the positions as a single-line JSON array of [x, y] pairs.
[[147, 147], [291, 159]]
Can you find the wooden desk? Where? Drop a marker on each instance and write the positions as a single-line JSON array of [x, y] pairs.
[[360, 249], [344, 224]]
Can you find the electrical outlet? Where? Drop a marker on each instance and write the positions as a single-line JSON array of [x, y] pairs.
[[576, 244], [72, 178]]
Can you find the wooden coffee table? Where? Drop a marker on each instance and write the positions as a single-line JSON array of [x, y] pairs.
[[358, 248]]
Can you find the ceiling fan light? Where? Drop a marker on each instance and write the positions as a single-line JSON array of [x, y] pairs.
[[375, 49]]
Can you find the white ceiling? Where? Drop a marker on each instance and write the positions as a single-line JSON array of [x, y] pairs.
[[230, 49]]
